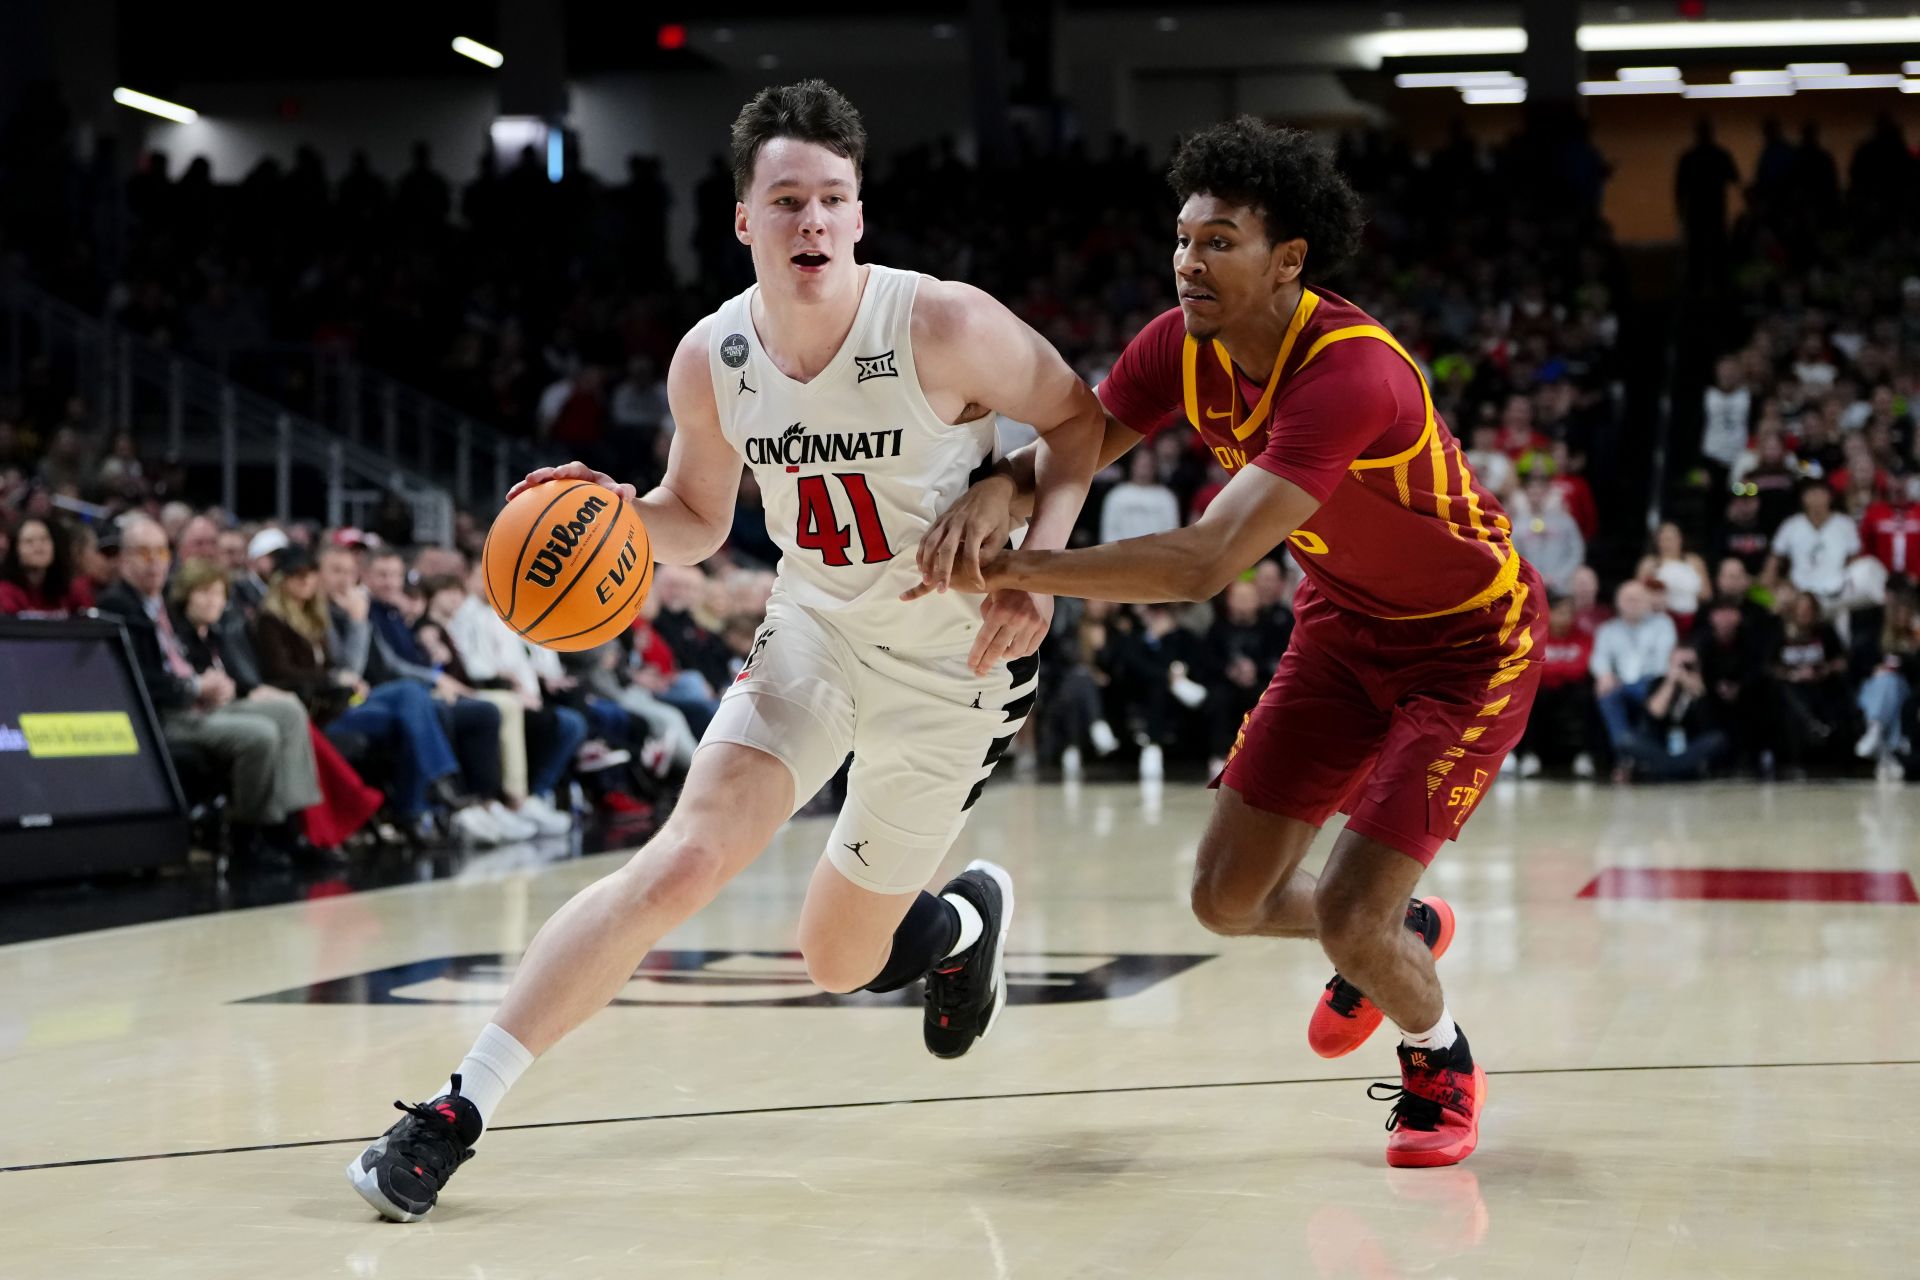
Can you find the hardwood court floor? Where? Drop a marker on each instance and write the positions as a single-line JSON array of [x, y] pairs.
[[1680, 1086]]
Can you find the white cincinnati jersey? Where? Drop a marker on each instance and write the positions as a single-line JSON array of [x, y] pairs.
[[853, 468]]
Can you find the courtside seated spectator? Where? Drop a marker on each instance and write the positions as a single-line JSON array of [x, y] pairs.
[[37, 578], [442, 598], [260, 742], [1630, 653], [250, 588], [1810, 672], [1735, 642], [198, 599], [291, 640], [493, 654], [1886, 692], [472, 726], [1683, 736]]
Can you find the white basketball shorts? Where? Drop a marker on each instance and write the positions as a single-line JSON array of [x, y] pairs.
[[924, 733]]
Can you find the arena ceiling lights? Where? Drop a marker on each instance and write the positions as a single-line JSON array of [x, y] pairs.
[[155, 106], [1627, 37], [1783, 83], [478, 52]]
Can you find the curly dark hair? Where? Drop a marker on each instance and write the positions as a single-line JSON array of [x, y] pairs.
[[1290, 178], [811, 111]]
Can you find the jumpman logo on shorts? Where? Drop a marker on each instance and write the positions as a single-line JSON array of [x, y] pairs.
[[855, 849]]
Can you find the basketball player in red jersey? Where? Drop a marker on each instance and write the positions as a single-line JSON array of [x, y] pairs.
[[1408, 679]]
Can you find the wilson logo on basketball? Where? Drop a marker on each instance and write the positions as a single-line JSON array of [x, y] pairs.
[[544, 569]]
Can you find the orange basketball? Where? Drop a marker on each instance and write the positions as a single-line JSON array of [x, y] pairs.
[[567, 564]]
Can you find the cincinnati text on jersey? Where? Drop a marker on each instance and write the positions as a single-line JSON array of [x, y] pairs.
[[793, 447]]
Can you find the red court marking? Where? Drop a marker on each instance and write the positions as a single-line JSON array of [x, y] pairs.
[[1747, 884]]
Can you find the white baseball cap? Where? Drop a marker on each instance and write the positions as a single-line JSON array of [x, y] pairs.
[[266, 542]]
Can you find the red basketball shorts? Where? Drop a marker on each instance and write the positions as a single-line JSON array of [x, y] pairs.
[[1400, 725]]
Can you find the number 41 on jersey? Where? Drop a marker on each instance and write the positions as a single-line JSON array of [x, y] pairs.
[[820, 528]]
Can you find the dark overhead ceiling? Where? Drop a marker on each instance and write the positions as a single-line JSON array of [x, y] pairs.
[[162, 46]]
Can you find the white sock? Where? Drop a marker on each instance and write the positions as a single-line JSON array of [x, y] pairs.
[[1440, 1035], [971, 925], [490, 1069]]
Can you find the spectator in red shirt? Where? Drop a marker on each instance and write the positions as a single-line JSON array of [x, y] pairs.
[[1571, 487], [1558, 733], [37, 578], [1890, 528]]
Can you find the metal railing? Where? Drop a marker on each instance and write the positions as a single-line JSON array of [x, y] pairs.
[[474, 460], [194, 415]]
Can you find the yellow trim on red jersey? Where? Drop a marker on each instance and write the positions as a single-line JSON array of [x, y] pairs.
[[1428, 432], [1502, 583], [1190, 380], [1429, 442], [1473, 502]]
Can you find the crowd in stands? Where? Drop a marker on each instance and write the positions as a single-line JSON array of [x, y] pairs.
[[1791, 588], [1774, 634], [330, 688]]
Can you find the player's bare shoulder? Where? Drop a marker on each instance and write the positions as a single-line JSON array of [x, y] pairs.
[[689, 376], [960, 334]]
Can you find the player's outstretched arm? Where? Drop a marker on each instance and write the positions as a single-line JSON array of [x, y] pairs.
[[1013, 480], [1255, 513], [690, 512]]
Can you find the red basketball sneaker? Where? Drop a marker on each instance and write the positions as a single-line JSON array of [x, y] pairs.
[[1344, 1018], [1436, 1106]]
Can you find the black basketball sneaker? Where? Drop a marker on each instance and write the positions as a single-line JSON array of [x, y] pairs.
[[401, 1174], [965, 992]]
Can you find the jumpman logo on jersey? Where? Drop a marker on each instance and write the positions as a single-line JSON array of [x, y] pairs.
[[976, 702], [855, 849], [746, 390]]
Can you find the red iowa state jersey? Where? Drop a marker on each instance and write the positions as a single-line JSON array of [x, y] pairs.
[[1404, 531]]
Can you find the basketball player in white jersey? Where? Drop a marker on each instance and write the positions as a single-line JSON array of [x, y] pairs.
[[864, 400]]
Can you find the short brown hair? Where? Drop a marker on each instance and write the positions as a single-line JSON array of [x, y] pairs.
[[810, 111], [190, 577]]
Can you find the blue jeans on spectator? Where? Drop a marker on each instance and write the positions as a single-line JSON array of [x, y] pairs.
[[1618, 708], [688, 695], [1651, 757], [1883, 701], [401, 716], [473, 729], [609, 721], [553, 735]]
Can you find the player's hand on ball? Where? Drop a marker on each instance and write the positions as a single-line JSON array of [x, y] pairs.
[[975, 526], [572, 471], [1012, 625]]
